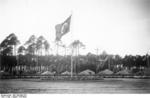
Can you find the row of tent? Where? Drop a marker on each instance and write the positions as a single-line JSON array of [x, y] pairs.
[[90, 72]]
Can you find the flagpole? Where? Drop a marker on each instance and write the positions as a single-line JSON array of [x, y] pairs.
[[72, 47], [65, 51], [61, 30], [97, 66], [72, 63], [57, 48]]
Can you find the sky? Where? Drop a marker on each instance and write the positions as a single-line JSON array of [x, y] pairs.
[[116, 26]]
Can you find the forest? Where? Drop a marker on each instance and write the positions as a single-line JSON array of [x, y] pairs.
[[34, 57]]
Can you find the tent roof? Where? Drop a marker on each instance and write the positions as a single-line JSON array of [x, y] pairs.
[[123, 72], [87, 72], [4, 73], [66, 73], [106, 71], [48, 73], [147, 71]]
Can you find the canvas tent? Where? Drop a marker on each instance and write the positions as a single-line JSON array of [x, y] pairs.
[[66, 73], [106, 72], [3, 73], [123, 72], [48, 73], [87, 72], [147, 71], [38, 73]]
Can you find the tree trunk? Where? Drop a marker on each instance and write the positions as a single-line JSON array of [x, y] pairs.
[[0, 60]]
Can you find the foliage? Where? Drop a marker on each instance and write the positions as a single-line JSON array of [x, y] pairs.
[[30, 58]]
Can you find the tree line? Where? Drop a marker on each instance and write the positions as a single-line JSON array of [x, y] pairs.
[[34, 57]]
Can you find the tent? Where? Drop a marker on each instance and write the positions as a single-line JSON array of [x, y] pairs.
[[87, 72], [48, 73], [3, 73], [123, 72], [147, 71], [106, 72], [38, 73], [66, 73], [139, 73]]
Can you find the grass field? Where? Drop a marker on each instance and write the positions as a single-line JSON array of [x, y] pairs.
[[109, 85]]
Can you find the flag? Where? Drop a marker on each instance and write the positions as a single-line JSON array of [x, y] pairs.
[[63, 28]]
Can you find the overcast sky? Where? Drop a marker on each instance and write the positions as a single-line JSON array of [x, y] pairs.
[[116, 26]]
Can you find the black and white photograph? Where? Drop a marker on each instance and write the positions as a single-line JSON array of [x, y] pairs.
[[74, 47]]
